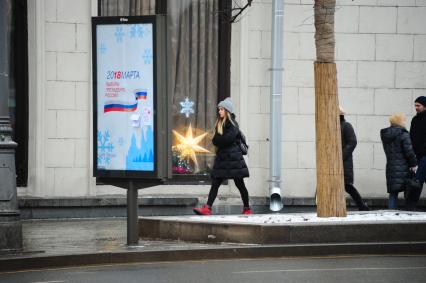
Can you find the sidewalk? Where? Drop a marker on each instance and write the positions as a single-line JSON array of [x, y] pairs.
[[72, 242], [81, 236]]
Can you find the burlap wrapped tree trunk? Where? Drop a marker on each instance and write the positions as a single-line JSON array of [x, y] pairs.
[[330, 184]]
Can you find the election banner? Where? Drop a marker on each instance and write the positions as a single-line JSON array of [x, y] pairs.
[[124, 96]]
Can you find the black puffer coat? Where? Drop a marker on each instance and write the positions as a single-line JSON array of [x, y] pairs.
[[418, 134], [348, 145], [229, 162], [399, 156]]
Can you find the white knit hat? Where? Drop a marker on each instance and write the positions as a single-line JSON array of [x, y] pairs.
[[226, 104]]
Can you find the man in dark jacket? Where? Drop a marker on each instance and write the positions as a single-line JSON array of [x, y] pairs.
[[348, 145], [418, 137]]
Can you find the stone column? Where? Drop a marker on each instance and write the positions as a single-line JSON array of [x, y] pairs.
[[10, 225]]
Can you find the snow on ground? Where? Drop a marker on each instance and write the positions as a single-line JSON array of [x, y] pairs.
[[367, 216]]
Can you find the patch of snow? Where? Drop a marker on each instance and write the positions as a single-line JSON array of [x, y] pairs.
[[298, 218]]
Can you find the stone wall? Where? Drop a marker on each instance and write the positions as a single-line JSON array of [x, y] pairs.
[[381, 62]]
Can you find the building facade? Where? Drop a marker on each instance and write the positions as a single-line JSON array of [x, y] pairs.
[[381, 64]]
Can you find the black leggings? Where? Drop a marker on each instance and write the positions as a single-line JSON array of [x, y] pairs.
[[350, 189], [239, 182]]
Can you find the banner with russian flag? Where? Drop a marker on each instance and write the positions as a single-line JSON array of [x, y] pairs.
[[125, 102]]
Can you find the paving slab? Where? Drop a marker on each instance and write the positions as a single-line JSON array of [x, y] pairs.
[[69, 242]]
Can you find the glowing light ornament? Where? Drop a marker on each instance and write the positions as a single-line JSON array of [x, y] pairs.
[[187, 107], [188, 145]]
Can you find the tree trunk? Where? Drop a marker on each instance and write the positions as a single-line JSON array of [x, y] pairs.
[[330, 196], [330, 184]]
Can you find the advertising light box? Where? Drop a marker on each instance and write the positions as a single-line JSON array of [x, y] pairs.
[[124, 97]]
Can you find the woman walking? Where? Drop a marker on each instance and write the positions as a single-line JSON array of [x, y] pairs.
[[229, 162], [349, 143], [400, 157]]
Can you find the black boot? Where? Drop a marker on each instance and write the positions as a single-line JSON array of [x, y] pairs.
[[350, 189], [364, 207], [410, 205]]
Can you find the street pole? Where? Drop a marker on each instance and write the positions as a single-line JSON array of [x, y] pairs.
[[10, 224], [132, 215], [276, 98]]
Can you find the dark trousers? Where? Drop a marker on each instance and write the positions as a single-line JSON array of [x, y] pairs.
[[393, 200], [352, 191], [421, 170], [239, 182], [421, 176]]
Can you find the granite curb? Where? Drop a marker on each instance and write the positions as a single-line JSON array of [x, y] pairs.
[[293, 233], [17, 263]]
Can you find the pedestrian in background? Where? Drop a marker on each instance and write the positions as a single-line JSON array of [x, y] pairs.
[[349, 143], [400, 157], [418, 138], [229, 162]]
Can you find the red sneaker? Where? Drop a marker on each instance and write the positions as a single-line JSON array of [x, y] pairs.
[[204, 210], [247, 210]]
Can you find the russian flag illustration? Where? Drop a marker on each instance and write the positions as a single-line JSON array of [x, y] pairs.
[[119, 106], [141, 94], [109, 107]]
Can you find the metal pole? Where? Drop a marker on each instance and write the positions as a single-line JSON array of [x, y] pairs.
[[132, 215], [276, 98]]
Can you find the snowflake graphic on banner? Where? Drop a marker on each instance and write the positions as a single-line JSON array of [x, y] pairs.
[[144, 31], [137, 30], [119, 34], [187, 107], [105, 148], [103, 48], [147, 56], [121, 141]]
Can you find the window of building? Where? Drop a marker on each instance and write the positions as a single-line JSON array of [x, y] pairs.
[[18, 86], [197, 64]]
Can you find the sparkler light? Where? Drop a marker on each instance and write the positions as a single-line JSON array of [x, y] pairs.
[[188, 145]]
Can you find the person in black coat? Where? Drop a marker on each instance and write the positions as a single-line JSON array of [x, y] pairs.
[[229, 162], [418, 128], [348, 145], [400, 157], [418, 138]]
